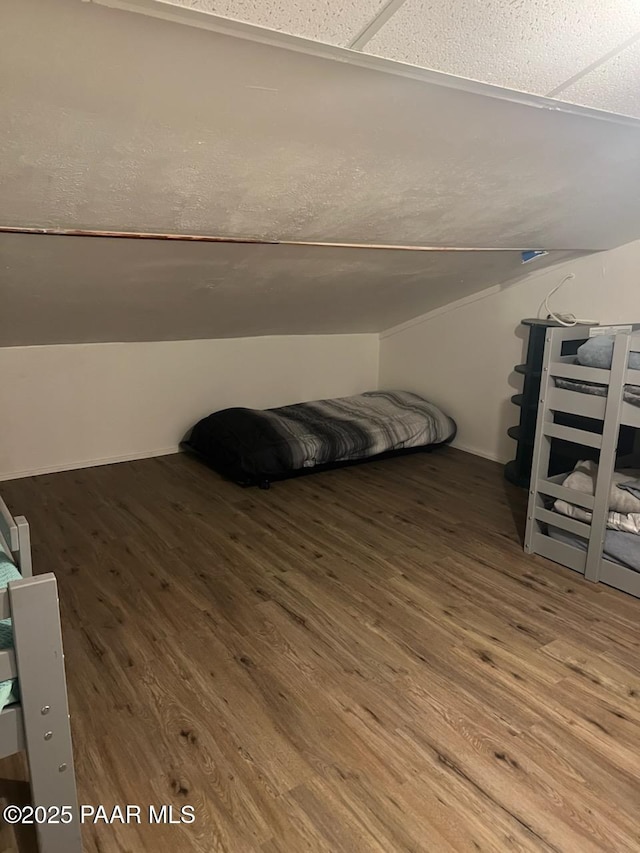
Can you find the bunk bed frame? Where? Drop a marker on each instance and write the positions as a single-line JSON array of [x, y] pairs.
[[613, 411], [39, 723]]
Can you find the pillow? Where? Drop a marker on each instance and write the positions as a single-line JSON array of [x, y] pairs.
[[598, 352]]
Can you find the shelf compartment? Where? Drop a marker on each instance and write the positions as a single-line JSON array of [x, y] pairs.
[[526, 370]]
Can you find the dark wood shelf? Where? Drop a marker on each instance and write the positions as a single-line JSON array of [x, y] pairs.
[[526, 370], [518, 400], [515, 432], [518, 471], [515, 476]]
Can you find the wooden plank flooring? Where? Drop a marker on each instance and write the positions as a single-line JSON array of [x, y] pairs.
[[362, 660]]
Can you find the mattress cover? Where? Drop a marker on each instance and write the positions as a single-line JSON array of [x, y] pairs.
[[254, 444]]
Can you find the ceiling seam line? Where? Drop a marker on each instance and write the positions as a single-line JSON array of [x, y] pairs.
[[369, 30], [257, 241], [616, 51]]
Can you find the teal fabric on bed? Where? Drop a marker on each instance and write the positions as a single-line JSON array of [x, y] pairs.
[[8, 573]]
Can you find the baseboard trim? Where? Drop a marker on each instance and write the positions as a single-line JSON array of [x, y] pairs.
[[167, 451], [484, 454], [90, 463]]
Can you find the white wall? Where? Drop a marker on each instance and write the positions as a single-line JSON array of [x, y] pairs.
[[78, 405], [462, 357]]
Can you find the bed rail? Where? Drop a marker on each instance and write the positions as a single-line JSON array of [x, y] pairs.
[[5, 607], [12, 731], [8, 669], [40, 723], [553, 488], [16, 539], [632, 376], [585, 405], [570, 370], [8, 528], [577, 436]]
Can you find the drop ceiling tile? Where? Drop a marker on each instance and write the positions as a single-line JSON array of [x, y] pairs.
[[321, 20], [614, 86], [529, 45]]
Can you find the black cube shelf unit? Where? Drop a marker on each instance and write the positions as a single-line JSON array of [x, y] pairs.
[[518, 471]]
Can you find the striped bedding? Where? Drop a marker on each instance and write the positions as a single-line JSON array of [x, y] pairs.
[[255, 446], [631, 393]]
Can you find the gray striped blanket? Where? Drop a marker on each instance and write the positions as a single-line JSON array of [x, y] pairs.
[[249, 444]]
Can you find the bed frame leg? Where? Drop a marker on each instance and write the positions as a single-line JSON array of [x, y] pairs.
[[43, 695]]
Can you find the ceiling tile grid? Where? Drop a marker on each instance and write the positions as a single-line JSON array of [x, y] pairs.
[[615, 85], [534, 46], [320, 20], [524, 45]]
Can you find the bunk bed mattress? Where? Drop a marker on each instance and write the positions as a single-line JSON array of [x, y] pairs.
[[631, 393], [250, 445], [619, 547]]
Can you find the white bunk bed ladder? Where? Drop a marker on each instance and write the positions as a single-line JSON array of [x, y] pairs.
[[609, 411]]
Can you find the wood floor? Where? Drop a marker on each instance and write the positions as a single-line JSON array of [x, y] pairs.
[[362, 660]]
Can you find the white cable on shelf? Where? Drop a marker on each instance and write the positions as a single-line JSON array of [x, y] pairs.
[[563, 319]]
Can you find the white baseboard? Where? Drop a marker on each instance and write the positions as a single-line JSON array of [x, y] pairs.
[[477, 452], [90, 463], [166, 451]]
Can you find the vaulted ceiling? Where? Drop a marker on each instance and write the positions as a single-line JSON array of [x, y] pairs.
[[121, 121]]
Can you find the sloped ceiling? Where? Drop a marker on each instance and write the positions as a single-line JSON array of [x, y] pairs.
[[538, 46], [82, 289], [114, 120]]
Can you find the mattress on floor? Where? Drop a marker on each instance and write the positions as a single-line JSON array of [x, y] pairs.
[[252, 445]]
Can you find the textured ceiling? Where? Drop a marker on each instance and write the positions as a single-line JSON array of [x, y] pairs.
[[114, 120], [531, 46], [322, 20], [615, 85], [101, 131], [536, 46], [83, 289]]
